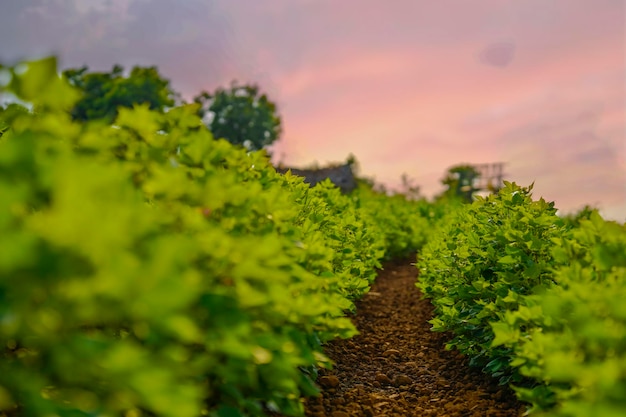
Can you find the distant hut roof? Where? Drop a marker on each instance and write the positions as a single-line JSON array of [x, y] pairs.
[[340, 175]]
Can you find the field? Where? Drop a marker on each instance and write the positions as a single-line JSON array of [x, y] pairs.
[[148, 269], [397, 366]]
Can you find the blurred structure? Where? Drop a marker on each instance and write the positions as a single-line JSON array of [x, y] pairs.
[[490, 177], [340, 175], [467, 180]]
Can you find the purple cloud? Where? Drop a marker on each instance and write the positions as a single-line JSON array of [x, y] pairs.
[[498, 54]]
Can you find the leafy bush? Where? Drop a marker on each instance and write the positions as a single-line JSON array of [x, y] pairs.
[[146, 268], [480, 266], [535, 300], [405, 224], [579, 351]]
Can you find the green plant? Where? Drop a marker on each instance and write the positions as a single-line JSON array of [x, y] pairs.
[[156, 271], [578, 352], [482, 264], [535, 300]]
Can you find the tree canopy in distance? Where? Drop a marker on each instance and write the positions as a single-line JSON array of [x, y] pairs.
[[104, 92], [460, 182], [240, 114]]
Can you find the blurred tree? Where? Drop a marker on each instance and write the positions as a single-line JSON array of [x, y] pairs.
[[460, 181], [409, 188], [241, 115], [104, 92]]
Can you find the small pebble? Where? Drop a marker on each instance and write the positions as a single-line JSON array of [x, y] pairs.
[[329, 381], [383, 379], [402, 380]]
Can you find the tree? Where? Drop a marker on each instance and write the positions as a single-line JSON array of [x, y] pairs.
[[241, 115], [105, 92], [409, 189], [460, 182]]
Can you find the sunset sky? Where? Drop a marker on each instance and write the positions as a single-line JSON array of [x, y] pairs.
[[407, 86]]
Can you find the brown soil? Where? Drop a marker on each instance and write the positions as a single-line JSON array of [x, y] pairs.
[[397, 366]]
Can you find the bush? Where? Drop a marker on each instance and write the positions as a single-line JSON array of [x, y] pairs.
[[146, 268], [482, 264], [535, 300]]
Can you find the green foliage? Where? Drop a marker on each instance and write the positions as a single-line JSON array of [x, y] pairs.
[[241, 115], [7, 114], [404, 223], [150, 271], [103, 93], [579, 350], [574, 219], [535, 299], [481, 265]]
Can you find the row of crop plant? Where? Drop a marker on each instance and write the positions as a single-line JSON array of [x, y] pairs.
[[148, 269], [535, 300]]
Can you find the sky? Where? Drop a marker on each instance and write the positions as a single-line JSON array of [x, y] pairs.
[[408, 87]]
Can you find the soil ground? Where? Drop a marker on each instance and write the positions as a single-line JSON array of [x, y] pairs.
[[397, 366]]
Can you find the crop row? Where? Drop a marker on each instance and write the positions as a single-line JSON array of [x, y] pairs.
[[535, 300], [149, 269]]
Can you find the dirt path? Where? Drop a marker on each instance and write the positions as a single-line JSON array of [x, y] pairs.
[[398, 367]]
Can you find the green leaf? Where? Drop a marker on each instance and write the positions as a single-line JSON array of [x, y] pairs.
[[508, 259], [140, 119], [504, 334]]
